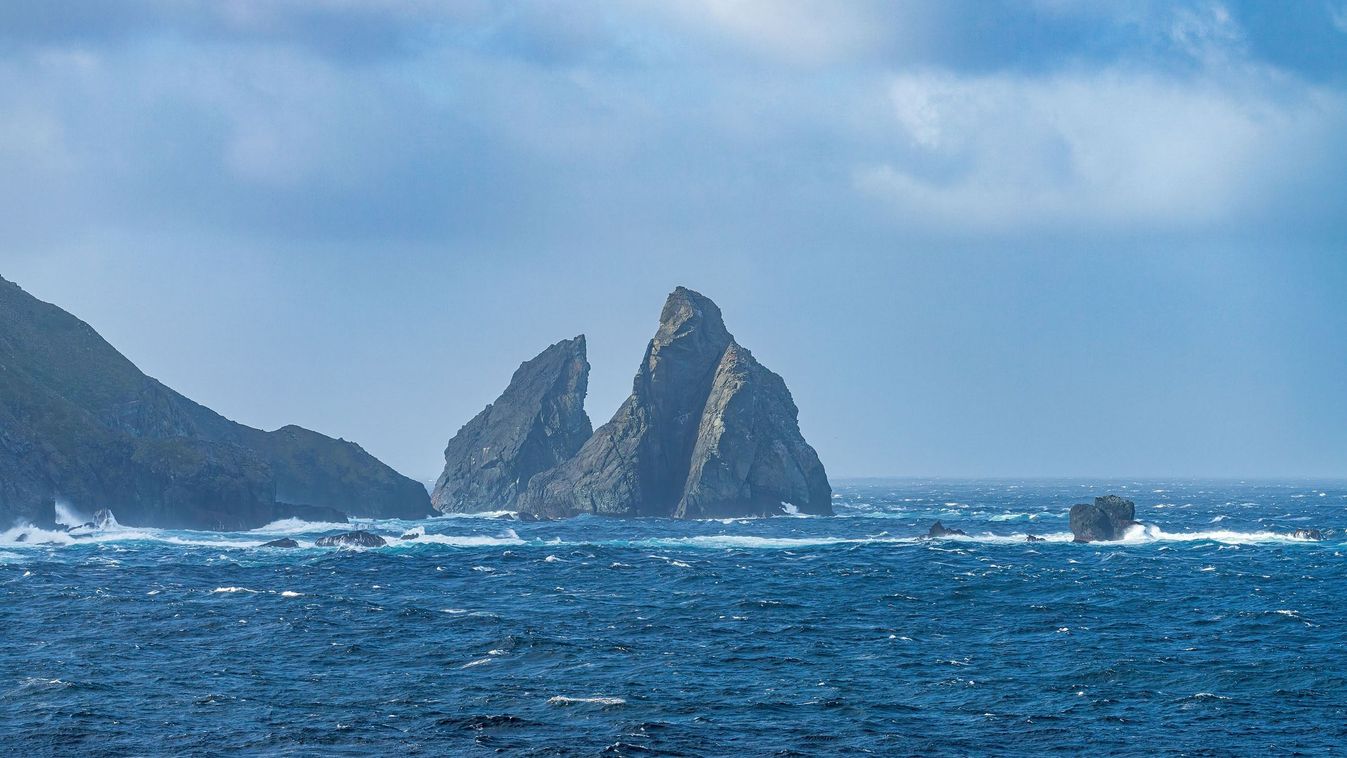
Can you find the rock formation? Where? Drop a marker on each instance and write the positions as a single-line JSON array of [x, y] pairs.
[[359, 538], [1313, 535], [940, 530], [707, 432], [284, 542], [1106, 519], [537, 423], [78, 421]]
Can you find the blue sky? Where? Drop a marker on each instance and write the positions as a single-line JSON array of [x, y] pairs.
[[977, 238]]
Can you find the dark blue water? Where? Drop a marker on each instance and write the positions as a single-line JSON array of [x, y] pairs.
[[1208, 633]]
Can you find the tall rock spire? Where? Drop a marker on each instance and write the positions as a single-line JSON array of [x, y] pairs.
[[706, 432], [538, 422]]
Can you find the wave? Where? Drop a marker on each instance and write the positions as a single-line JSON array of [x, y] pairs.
[[463, 540], [723, 541], [245, 590], [1148, 533], [564, 700], [1001, 517], [495, 515], [298, 526]]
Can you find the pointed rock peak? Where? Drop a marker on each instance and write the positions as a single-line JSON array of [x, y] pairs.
[[688, 311], [551, 361], [536, 423], [707, 431]]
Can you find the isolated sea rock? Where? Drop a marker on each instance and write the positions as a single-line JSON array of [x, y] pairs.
[[359, 538], [1106, 519], [940, 530], [538, 422], [1308, 534], [282, 542], [1033, 538], [707, 432]]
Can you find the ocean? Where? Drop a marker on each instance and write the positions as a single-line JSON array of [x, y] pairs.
[[1209, 631]]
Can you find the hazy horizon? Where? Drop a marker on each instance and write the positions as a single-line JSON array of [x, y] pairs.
[[977, 240]]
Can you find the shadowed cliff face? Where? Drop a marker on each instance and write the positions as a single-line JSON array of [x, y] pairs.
[[80, 423], [538, 422], [706, 432]]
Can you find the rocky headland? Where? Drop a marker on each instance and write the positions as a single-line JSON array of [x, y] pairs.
[[81, 424]]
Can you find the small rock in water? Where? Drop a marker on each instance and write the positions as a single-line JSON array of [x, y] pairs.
[[940, 530], [358, 538], [22, 537], [1107, 519], [410, 536], [282, 542], [1308, 534], [1034, 538]]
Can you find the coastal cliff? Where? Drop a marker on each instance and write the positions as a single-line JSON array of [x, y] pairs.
[[81, 424]]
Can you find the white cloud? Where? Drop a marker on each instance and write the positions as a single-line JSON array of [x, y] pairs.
[[1094, 148]]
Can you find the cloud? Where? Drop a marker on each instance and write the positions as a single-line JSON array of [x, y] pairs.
[[324, 120], [1103, 149]]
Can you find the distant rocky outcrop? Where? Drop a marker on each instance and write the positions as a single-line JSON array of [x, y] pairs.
[[358, 538], [707, 432], [1314, 535], [940, 530], [79, 422], [284, 542], [1106, 519], [537, 423]]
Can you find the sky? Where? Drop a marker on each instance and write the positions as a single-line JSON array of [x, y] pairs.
[[976, 238]]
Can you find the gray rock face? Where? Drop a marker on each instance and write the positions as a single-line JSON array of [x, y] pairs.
[[284, 542], [1106, 519], [707, 432], [79, 422], [537, 423], [359, 538], [940, 530]]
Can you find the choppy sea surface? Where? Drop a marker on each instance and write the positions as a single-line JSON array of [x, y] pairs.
[[1208, 632]]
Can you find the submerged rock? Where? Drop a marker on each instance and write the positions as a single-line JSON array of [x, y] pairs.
[[1033, 538], [1308, 534], [707, 432], [360, 538], [538, 422], [1107, 519], [940, 530], [282, 542]]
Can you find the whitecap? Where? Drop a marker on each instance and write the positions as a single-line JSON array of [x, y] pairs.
[[564, 700], [298, 526], [508, 537]]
